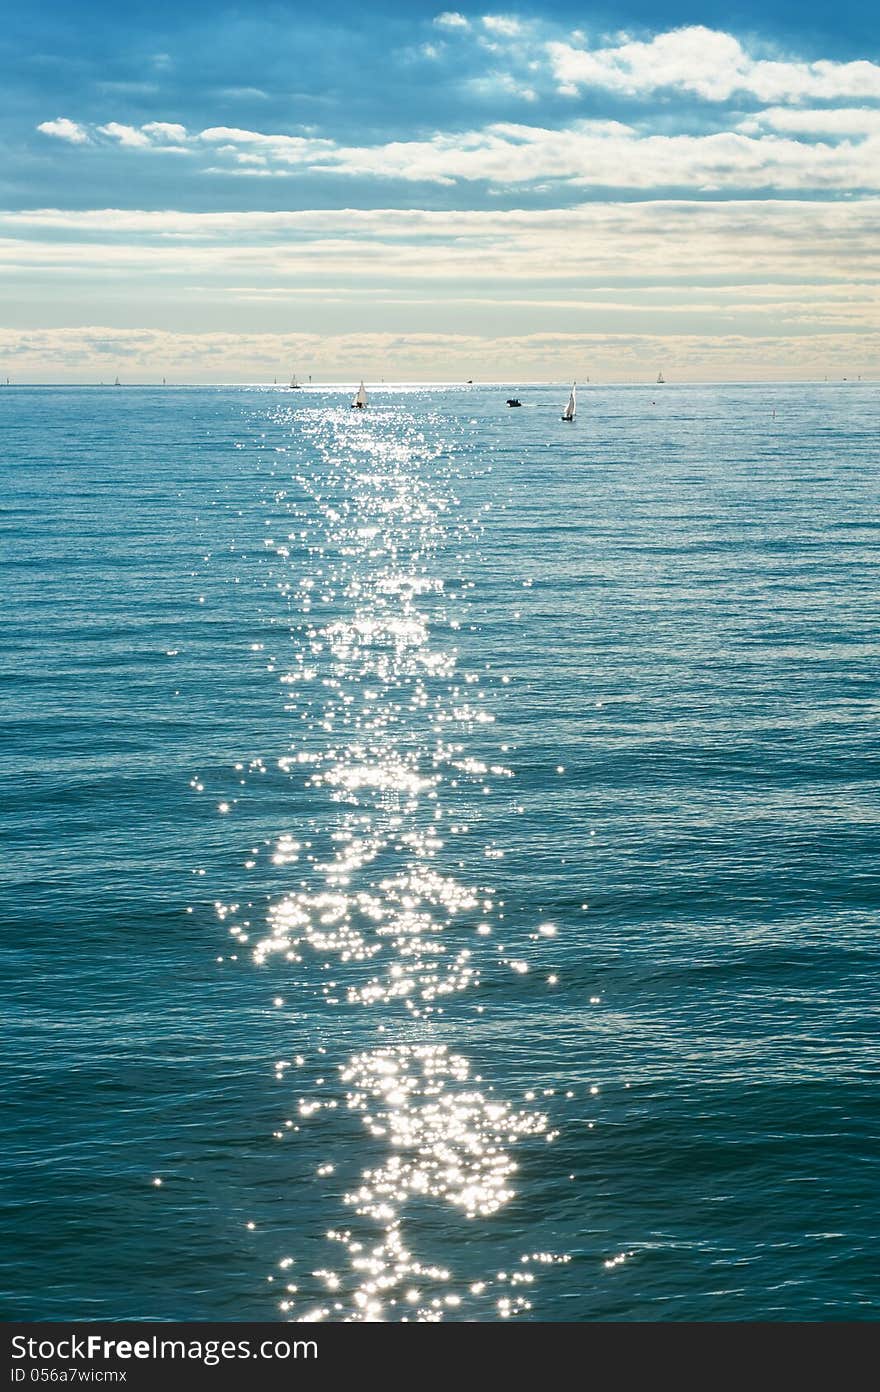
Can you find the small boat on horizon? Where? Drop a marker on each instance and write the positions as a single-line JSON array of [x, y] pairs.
[[361, 399], [571, 409], [294, 384], [660, 379]]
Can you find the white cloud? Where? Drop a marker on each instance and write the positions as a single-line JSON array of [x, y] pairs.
[[63, 129], [165, 130], [709, 63], [829, 121], [451, 19], [505, 25], [667, 241], [126, 135], [94, 353], [604, 154], [609, 154], [288, 149]]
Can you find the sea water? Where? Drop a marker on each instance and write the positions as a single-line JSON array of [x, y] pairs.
[[441, 853]]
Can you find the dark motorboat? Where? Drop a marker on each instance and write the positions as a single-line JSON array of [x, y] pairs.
[[513, 401]]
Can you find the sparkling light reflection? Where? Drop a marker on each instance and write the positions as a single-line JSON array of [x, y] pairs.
[[376, 916]]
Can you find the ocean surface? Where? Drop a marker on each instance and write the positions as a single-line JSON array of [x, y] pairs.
[[441, 874]]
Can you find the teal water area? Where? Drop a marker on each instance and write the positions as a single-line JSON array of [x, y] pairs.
[[441, 869]]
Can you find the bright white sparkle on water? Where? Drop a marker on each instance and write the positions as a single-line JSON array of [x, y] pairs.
[[389, 741]]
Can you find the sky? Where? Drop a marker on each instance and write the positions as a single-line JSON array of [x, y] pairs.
[[535, 192]]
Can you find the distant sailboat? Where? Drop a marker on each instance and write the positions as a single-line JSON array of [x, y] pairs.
[[571, 409], [360, 400], [294, 384], [117, 383], [660, 379]]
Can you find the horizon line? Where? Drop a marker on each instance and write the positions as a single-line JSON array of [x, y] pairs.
[[344, 384]]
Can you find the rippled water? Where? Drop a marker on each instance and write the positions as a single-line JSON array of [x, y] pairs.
[[441, 875]]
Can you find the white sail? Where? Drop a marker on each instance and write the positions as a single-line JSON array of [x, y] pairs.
[[571, 409], [361, 398], [294, 384]]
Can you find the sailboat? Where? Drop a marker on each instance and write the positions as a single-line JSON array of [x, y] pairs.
[[360, 400], [294, 384], [117, 383], [660, 379], [571, 409]]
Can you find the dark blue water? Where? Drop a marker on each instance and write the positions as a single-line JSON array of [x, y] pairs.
[[441, 861]]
